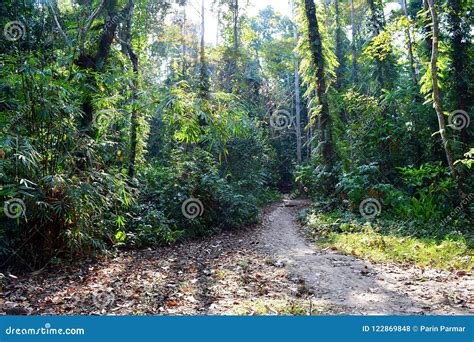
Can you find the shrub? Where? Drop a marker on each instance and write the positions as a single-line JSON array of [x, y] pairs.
[[192, 175]]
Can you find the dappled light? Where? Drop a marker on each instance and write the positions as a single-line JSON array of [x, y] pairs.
[[230, 157]]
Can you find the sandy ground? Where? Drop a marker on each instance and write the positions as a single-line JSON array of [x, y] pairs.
[[362, 287], [270, 269]]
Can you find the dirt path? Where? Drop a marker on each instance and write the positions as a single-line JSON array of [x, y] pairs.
[[269, 269], [359, 287]]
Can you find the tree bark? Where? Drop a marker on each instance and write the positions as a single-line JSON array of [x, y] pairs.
[[355, 66], [183, 44], [128, 49], [299, 157], [235, 26], [218, 25], [410, 48], [108, 35], [317, 58], [309, 136], [203, 78], [339, 48], [340, 58], [96, 62], [375, 17], [436, 91], [460, 57], [377, 28], [427, 31]]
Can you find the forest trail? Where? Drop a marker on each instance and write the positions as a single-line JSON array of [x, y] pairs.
[[269, 269], [360, 287]]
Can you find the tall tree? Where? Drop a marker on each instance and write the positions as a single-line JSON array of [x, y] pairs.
[[437, 101], [426, 22], [128, 50], [95, 62], [339, 47], [297, 103], [235, 23], [317, 58], [355, 66], [184, 66], [411, 58], [459, 53], [383, 59], [460, 46], [204, 76]]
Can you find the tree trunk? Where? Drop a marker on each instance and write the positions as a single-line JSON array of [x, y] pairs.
[[317, 58], [183, 45], [339, 48], [355, 66], [309, 137], [218, 25], [203, 78], [377, 28], [436, 91], [108, 35], [340, 58], [97, 61], [428, 43], [460, 57], [410, 48], [128, 49], [299, 157], [235, 26]]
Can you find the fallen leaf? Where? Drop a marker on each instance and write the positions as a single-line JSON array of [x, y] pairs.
[[171, 303]]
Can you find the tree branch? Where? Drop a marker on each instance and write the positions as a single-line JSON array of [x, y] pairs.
[[90, 21], [66, 38]]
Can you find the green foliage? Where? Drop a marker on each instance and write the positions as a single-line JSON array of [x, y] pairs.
[[193, 120], [392, 241], [67, 133], [380, 47], [469, 161], [191, 175], [86, 98], [68, 205], [357, 185], [449, 254], [430, 187], [151, 228], [312, 177]]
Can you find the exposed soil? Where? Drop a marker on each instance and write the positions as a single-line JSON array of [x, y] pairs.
[[270, 269], [355, 286]]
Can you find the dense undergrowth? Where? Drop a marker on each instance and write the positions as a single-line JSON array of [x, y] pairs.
[[66, 183], [414, 222], [388, 239], [121, 127]]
